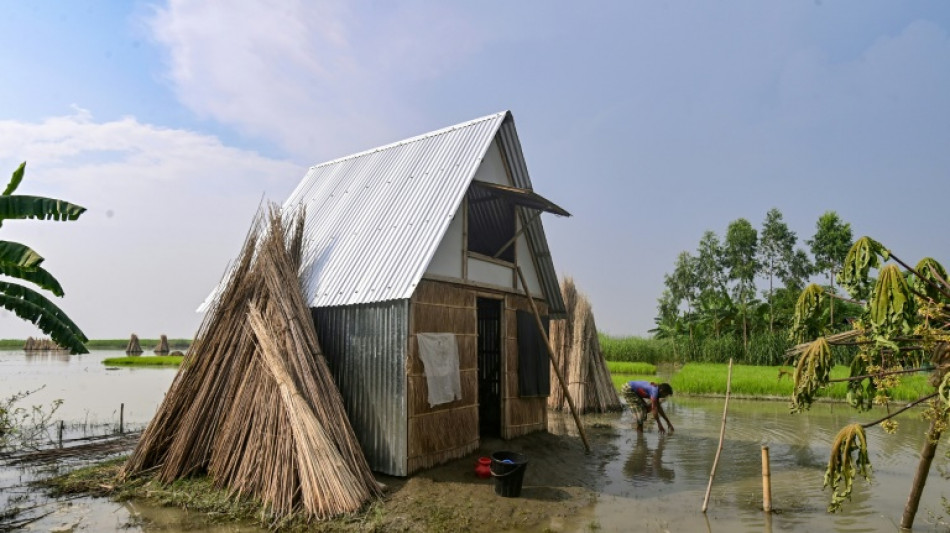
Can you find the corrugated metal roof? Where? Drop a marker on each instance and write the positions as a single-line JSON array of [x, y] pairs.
[[375, 219]]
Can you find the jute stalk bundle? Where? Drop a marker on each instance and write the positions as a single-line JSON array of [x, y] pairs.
[[254, 404], [40, 345], [162, 348], [133, 347], [579, 357]]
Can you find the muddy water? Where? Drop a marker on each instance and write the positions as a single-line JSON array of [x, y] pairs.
[[657, 483], [91, 395], [91, 392], [644, 482]]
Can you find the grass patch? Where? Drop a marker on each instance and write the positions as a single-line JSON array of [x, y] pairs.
[[144, 360], [623, 367], [774, 382]]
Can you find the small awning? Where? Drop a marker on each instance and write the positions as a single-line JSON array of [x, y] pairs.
[[523, 197]]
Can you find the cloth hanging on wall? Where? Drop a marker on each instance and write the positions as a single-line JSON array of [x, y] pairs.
[[440, 356], [534, 367]]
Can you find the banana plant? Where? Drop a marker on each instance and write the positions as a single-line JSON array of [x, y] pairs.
[[22, 263]]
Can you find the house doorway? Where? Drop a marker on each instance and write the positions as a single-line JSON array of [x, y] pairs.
[[489, 366]]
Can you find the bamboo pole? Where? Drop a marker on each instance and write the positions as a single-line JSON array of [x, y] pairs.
[[766, 481], [722, 435], [547, 344], [920, 477]]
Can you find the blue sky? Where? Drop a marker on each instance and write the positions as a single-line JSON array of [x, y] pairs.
[[650, 121]]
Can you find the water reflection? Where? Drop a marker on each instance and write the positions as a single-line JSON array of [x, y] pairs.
[[35, 356], [645, 464]]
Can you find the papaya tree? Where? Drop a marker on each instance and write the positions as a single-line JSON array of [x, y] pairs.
[[904, 327], [20, 262]]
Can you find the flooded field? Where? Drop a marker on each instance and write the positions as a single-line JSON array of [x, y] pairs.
[[91, 392], [664, 478], [646, 482]]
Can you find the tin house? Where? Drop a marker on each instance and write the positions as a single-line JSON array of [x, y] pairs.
[[411, 269]]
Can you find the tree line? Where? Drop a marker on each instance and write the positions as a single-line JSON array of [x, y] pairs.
[[714, 294]]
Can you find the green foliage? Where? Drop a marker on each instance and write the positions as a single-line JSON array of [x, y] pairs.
[[892, 308], [862, 257], [849, 458], [811, 373], [20, 262], [15, 180], [861, 393], [636, 349], [808, 323], [931, 276], [831, 242], [38, 207], [903, 323]]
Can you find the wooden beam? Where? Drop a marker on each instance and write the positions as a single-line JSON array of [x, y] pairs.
[[517, 234], [557, 371]]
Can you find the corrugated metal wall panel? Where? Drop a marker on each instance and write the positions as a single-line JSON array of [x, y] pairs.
[[365, 346]]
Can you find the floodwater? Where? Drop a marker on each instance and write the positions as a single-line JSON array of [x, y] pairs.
[[92, 393], [664, 478], [646, 482]]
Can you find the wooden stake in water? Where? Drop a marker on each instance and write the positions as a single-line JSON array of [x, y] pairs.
[[62, 426], [121, 417], [722, 435], [766, 481]]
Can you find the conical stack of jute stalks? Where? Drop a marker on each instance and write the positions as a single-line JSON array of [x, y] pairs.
[[162, 348], [133, 347], [578, 356], [254, 404]]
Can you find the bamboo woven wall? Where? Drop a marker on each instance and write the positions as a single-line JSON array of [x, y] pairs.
[[521, 415], [450, 430]]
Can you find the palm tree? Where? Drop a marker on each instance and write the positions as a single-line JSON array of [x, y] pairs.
[[21, 262]]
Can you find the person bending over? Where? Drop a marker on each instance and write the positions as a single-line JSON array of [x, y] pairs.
[[637, 394]]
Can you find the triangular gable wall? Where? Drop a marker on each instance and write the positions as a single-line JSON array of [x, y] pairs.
[[375, 219]]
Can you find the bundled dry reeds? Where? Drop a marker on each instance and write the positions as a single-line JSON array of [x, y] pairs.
[[133, 347], [578, 356], [162, 348], [41, 345], [254, 404]]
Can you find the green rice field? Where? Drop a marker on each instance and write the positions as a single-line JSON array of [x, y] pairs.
[[623, 371], [775, 382]]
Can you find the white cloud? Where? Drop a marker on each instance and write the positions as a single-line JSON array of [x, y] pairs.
[[167, 208], [319, 78]]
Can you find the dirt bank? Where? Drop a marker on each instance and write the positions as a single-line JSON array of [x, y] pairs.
[[560, 481]]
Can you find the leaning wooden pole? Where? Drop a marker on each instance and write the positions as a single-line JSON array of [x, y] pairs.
[[927, 453], [557, 371], [722, 435]]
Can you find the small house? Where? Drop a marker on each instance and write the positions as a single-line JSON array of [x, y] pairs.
[[411, 259]]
